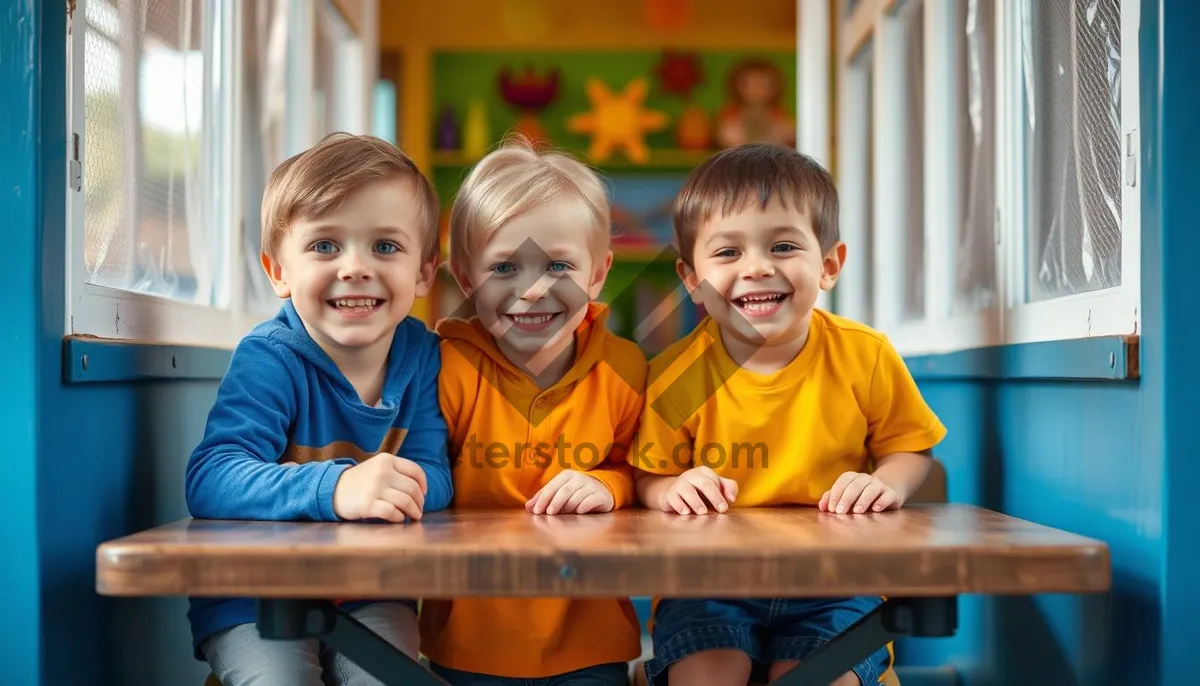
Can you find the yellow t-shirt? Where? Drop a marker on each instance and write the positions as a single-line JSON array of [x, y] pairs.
[[785, 437]]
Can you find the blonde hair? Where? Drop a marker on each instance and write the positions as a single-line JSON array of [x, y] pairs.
[[514, 179], [312, 183]]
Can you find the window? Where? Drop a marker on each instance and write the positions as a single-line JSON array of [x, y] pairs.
[[1001, 148], [179, 111]]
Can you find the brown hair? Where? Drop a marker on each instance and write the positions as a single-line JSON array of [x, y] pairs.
[[731, 180], [318, 180]]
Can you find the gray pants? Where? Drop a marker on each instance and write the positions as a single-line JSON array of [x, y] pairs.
[[240, 657]]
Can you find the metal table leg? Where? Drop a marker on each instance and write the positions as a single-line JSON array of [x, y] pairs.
[[287, 619], [894, 618]]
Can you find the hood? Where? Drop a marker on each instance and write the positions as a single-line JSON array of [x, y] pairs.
[[590, 341]]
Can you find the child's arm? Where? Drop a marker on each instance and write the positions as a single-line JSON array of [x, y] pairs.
[[615, 472], [426, 442], [893, 482], [651, 487], [904, 472], [577, 492], [234, 473], [901, 432]]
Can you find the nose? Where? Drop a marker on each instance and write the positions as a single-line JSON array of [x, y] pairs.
[[758, 266], [538, 289], [354, 267]]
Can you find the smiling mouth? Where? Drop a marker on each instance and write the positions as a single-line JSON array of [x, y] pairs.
[[356, 305], [760, 304], [532, 321]]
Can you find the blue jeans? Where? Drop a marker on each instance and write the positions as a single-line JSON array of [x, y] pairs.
[[612, 674], [767, 629]]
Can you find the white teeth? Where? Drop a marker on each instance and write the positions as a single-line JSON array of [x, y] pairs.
[[761, 297], [760, 302], [355, 303], [532, 318]]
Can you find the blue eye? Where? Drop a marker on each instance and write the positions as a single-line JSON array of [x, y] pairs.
[[727, 252], [559, 267], [786, 247], [324, 247], [387, 247], [504, 268]]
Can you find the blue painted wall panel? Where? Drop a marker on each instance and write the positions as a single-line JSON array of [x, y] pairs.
[[1179, 184], [20, 187], [1084, 457]]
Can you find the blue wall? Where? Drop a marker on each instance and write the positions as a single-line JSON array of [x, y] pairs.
[[19, 183]]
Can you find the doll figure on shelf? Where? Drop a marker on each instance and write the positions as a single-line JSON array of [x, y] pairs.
[[755, 112]]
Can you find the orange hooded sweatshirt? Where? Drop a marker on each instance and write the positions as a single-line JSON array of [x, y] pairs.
[[507, 440]]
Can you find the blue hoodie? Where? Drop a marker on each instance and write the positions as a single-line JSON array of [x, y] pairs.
[[285, 425]]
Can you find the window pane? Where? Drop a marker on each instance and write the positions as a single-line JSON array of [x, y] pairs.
[[914, 154], [975, 262], [329, 58], [264, 53], [1072, 56], [152, 96]]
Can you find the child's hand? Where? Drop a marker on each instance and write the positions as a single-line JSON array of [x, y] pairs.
[[571, 492], [689, 491], [383, 487], [858, 492]]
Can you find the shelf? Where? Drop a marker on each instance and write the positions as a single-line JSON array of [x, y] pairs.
[[661, 159]]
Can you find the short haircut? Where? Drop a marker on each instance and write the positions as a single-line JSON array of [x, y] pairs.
[[315, 182], [514, 179], [732, 179]]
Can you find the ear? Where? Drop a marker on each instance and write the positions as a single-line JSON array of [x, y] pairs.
[[690, 281], [425, 277], [461, 278], [832, 265], [275, 274], [600, 275]]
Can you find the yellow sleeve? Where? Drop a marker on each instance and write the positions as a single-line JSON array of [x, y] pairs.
[[898, 419], [664, 443]]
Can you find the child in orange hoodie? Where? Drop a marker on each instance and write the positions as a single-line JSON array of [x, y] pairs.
[[542, 403]]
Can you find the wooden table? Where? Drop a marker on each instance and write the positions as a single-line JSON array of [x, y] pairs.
[[920, 557]]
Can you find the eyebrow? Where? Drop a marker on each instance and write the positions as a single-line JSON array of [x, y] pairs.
[[736, 235], [722, 235], [557, 253], [325, 229]]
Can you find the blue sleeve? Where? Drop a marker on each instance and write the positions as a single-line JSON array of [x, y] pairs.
[[234, 473], [427, 439]]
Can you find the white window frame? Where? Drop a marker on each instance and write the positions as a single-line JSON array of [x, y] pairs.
[[113, 313], [1112, 311]]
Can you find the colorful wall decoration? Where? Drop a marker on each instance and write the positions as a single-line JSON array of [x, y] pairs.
[[642, 118]]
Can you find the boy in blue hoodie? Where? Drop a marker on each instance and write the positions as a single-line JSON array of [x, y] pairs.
[[329, 411]]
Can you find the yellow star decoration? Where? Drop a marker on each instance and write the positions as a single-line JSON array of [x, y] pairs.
[[617, 121]]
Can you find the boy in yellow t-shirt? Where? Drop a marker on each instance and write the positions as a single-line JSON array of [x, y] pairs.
[[770, 402]]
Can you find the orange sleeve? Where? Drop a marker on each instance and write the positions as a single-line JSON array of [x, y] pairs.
[[898, 419], [615, 472]]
